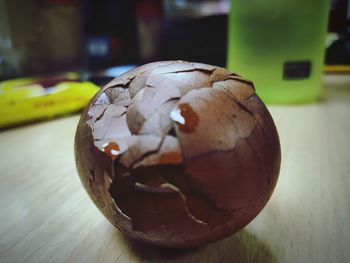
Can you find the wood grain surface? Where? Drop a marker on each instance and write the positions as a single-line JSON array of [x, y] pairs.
[[46, 216]]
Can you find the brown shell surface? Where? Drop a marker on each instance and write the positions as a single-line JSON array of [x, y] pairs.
[[178, 154]]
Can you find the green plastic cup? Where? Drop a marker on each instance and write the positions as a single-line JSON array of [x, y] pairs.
[[279, 45]]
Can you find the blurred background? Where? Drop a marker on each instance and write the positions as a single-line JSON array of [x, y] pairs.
[[56, 54], [273, 43], [46, 36]]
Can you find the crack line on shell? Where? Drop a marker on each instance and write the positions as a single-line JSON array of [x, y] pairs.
[[170, 63], [155, 189], [182, 195], [171, 99], [197, 192], [229, 116], [147, 154], [157, 110], [141, 73], [240, 79], [261, 129], [118, 209], [205, 71], [252, 114], [184, 198], [230, 94], [242, 107], [258, 123], [209, 198], [218, 80], [141, 88], [109, 125], [234, 75], [205, 198], [101, 115], [234, 99], [124, 86]]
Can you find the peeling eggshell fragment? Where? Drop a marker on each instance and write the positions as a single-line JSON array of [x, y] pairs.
[[178, 154]]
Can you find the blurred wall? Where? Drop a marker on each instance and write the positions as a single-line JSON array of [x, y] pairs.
[[41, 36]]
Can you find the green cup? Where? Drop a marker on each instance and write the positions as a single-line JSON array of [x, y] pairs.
[[279, 45]]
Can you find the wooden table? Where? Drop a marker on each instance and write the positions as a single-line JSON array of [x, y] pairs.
[[46, 216]]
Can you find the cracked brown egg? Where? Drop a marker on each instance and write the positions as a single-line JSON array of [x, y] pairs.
[[178, 154]]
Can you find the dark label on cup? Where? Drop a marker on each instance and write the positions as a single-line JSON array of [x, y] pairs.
[[296, 70]]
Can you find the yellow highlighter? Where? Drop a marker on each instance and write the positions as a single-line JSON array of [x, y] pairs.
[[29, 99]]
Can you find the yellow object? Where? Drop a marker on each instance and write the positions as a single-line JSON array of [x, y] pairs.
[[27, 99], [337, 68]]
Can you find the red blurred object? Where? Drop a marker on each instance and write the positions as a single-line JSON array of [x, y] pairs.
[[149, 8], [149, 26]]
